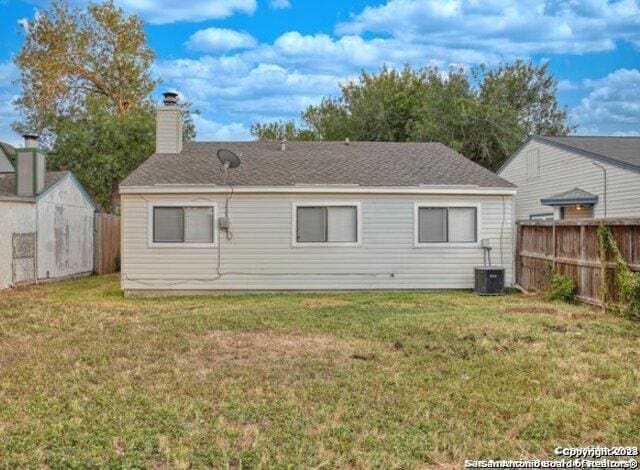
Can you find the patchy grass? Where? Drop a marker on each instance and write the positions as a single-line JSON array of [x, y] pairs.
[[90, 378]]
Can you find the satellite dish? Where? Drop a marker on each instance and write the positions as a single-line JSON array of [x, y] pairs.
[[228, 158]]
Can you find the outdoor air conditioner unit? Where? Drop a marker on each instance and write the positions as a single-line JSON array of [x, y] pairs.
[[488, 279]]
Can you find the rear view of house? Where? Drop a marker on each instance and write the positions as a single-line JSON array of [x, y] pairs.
[[307, 216], [46, 219], [575, 177]]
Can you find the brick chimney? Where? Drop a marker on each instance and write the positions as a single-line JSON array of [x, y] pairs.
[[30, 168], [169, 124]]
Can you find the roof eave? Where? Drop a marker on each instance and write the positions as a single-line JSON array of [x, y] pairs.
[[591, 155], [9, 198], [569, 148], [569, 201], [317, 189], [513, 155]]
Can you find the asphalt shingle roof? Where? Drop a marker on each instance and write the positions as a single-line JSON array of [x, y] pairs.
[[573, 196], [321, 163], [7, 149], [7, 181], [621, 149]]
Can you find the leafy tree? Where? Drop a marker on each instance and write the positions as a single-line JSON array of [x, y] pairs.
[[71, 56], [86, 87], [530, 91], [102, 149], [484, 114], [280, 130]]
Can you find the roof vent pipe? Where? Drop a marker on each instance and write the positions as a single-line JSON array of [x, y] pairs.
[[170, 98], [346, 141], [30, 141], [283, 145]]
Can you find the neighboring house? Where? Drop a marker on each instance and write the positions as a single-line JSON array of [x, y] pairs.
[[575, 177], [46, 219], [308, 216]]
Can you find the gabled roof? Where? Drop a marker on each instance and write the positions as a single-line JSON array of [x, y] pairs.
[[51, 179], [620, 151], [316, 163], [7, 181], [7, 153], [573, 196]]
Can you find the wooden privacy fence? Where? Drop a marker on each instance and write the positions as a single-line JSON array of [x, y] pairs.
[[106, 243], [570, 247]]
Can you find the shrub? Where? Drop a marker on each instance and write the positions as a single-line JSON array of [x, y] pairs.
[[560, 287], [628, 282]]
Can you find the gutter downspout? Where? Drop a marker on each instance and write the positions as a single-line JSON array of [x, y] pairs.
[[604, 172]]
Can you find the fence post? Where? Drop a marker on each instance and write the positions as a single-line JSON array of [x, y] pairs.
[[553, 251], [518, 257]]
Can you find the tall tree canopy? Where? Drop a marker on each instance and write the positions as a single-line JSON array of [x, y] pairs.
[[484, 114], [71, 56], [281, 130], [86, 89]]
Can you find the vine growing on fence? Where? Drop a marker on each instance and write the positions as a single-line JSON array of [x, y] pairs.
[[628, 282]]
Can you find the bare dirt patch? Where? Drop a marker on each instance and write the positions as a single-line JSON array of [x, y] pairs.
[[268, 346], [552, 311], [397, 305], [30, 292], [320, 302]]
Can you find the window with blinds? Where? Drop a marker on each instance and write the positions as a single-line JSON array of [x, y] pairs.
[[183, 224], [327, 224], [447, 224]]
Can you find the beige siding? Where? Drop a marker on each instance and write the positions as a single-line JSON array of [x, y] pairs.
[[261, 256], [561, 170]]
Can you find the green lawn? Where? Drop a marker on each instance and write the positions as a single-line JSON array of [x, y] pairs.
[[88, 377]]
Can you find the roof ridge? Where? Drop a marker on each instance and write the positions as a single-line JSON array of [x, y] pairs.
[[590, 136]]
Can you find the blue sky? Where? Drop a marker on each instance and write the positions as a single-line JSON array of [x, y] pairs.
[[242, 61]]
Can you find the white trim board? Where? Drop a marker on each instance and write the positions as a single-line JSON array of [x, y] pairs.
[[419, 190]]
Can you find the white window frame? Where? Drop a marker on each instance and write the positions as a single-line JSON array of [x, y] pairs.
[[416, 225], [154, 204], [541, 216], [294, 223]]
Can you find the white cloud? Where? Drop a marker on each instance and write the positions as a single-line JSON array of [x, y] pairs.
[[236, 86], [7, 116], [220, 40], [8, 93], [24, 24], [612, 105], [505, 27], [564, 85], [8, 73], [211, 130], [171, 11], [279, 4]]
